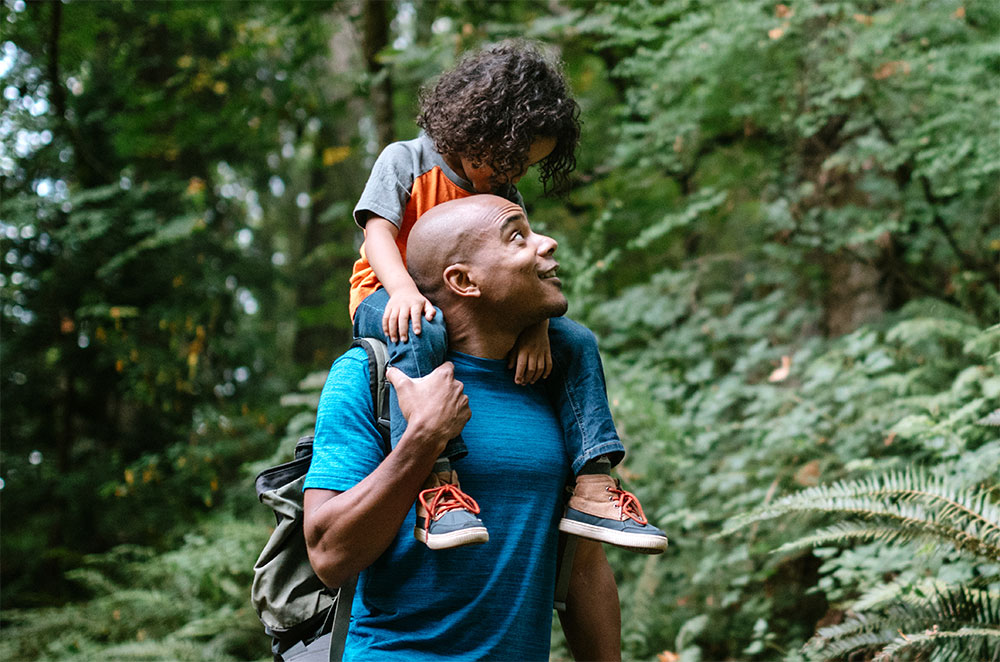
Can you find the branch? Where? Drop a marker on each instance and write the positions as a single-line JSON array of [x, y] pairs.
[[967, 261]]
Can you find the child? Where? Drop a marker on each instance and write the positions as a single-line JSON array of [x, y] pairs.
[[497, 113]]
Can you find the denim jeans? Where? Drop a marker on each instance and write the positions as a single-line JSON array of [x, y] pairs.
[[416, 358], [576, 386], [580, 395]]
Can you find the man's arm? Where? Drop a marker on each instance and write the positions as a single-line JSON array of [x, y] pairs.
[[346, 531], [592, 621]]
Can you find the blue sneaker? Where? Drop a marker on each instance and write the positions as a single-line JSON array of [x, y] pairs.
[[600, 510], [446, 516]]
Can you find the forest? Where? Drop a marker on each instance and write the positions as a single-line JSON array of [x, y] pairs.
[[783, 227]]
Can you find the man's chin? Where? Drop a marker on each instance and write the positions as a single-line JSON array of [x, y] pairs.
[[558, 310]]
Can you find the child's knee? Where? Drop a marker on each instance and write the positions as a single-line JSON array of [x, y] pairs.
[[571, 337], [435, 329], [430, 345]]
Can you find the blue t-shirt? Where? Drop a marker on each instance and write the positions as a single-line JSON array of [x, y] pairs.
[[489, 602]]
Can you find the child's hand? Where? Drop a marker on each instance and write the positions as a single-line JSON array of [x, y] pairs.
[[531, 356], [403, 307]]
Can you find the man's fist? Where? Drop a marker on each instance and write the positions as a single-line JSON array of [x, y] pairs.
[[435, 406]]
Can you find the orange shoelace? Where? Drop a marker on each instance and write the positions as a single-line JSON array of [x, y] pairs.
[[446, 497], [629, 505]]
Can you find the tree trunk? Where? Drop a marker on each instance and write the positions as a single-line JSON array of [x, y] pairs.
[[374, 40]]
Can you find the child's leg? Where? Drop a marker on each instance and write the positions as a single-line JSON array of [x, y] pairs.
[[580, 394], [599, 509], [446, 516], [416, 358]]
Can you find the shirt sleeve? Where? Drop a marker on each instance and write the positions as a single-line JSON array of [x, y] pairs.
[[388, 189], [347, 445]]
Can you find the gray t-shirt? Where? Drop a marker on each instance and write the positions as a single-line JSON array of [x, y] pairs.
[[413, 170]]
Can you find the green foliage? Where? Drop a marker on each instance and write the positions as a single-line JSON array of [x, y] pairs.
[[960, 621], [187, 604], [901, 506], [726, 431], [955, 624], [782, 229], [137, 311]]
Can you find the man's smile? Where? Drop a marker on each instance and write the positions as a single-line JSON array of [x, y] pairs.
[[550, 273]]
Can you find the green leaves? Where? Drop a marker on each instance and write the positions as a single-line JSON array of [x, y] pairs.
[[174, 231], [894, 507]]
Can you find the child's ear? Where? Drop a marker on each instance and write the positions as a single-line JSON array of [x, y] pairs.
[[460, 281]]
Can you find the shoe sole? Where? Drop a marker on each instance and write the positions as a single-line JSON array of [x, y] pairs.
[[473, 536], [637, 542]]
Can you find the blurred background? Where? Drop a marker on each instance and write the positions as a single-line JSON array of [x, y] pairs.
[[783, 228]]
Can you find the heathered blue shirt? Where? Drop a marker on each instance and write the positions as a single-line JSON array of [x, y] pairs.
[[489, 602]]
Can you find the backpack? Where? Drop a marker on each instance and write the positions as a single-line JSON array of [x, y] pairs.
[[306, 620]]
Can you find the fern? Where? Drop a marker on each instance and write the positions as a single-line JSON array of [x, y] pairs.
[[899, 506], [985, 642], [939, 616], [895, 508]]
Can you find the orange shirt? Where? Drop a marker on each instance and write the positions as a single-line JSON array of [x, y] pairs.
[[408, 178]]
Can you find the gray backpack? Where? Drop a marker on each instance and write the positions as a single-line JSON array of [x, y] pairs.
[[306, 620]]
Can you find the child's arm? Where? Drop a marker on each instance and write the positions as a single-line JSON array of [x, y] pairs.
[[531, 355], [406, 303]]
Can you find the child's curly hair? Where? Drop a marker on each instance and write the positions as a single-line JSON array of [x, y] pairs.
[[496, 102]]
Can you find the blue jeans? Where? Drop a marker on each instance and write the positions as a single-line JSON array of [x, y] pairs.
[[576, 386]]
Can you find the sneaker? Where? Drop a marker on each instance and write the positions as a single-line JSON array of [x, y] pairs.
[[600, 510], [446, 516]]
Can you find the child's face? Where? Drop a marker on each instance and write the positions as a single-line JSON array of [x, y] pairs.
[[483, 178]]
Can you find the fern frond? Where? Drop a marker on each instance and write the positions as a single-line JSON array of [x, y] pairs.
[[883, 596], [973, 643], [832, 649], [949, 610], [854, 625], [991, 419], [912, 503], [853, 531], [900, 531]]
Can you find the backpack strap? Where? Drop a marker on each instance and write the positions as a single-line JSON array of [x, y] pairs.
[[564, 571], [378, 360], [342, 619]]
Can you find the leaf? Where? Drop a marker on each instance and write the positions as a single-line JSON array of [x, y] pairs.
[[781, 373], [992, 419], [173, 232], [808, 474]]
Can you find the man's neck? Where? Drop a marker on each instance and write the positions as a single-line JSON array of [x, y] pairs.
[[480, 338]]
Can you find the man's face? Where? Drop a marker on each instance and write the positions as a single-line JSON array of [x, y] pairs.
[[515, 268]]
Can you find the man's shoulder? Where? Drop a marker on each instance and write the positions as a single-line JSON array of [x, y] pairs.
[[349, 376], [348, 445], [355, 358]]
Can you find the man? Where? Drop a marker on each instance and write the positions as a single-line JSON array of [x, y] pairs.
[[491, 276]]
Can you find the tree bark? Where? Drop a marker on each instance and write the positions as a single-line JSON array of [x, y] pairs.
[[374, 39]]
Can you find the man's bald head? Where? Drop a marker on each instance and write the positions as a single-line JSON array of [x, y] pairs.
[[448, 234], [478, 260]]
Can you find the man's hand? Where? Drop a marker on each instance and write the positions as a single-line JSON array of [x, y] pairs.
[[403, 306], [434, 406], [531, 355], [346, 531]]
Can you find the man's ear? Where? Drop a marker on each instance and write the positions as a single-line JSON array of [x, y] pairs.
[[458, 279]]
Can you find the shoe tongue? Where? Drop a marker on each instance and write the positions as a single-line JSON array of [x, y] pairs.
[[447, 477]]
